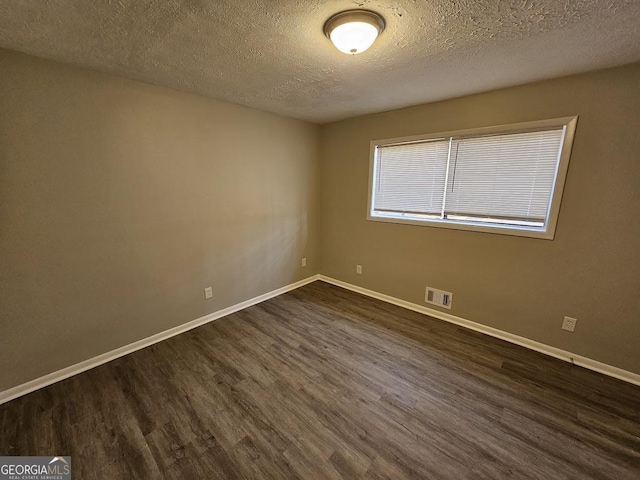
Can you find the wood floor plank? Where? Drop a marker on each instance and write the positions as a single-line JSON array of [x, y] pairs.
[[323, 383]]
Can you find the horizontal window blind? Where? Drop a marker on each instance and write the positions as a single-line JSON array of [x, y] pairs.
[[503, 177], [410, 178], [506, 179]]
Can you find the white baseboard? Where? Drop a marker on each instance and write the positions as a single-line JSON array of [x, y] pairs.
[[494, 332], [72, 370]]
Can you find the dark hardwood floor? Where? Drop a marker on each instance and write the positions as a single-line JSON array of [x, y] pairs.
[[325, 383]]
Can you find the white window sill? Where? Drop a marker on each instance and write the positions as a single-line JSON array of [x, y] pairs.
[[471, 226]]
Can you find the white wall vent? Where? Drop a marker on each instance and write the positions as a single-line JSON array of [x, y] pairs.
[[438, 297]]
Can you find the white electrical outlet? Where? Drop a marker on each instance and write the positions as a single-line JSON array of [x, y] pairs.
[[569, 324], [208, 293], [359, 269], [438, 297], [304, 262]]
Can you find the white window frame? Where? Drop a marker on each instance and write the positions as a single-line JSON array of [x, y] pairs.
[[546, 232]]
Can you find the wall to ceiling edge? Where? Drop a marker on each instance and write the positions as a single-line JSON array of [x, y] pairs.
[[524, 286]]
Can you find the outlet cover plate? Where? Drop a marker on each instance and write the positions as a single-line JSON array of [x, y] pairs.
[[569, 324], [438, 297]]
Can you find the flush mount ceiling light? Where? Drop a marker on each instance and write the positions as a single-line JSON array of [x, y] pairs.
[[353, 31]]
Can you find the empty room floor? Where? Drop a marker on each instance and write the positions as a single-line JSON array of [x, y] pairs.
[[325, 383]]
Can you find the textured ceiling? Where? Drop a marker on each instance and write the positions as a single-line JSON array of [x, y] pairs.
[[272, 55]]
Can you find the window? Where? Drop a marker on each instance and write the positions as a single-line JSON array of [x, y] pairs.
[[505, 179]]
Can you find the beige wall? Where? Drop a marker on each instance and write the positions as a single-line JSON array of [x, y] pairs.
[[524, 286], [120, 202]]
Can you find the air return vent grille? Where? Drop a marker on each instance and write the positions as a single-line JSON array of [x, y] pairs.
[[438, 297]]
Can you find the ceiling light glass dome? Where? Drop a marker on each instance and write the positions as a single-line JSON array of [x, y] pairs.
[[354, 31]]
